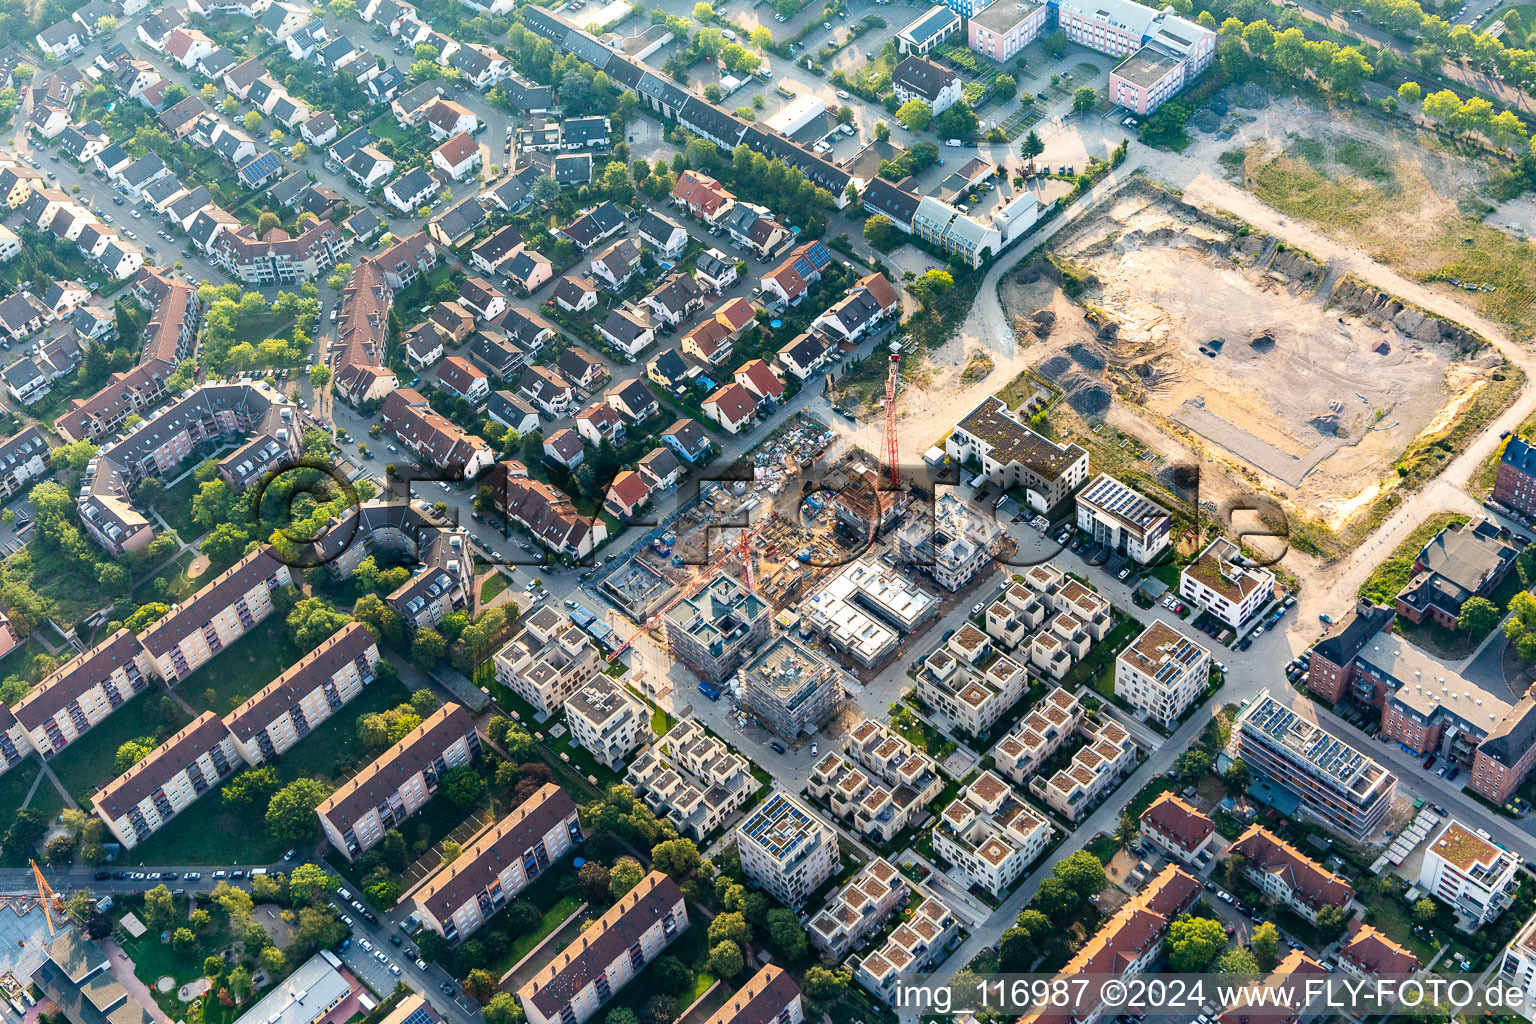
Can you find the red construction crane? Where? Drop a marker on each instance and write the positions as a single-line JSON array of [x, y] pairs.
[[45, 895], [892, 448], [742, 549]]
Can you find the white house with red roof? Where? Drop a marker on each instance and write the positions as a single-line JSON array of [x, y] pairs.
[[462, 378], [758, 377], [732, 407], [702, 196], [458, 158], [626, 494]]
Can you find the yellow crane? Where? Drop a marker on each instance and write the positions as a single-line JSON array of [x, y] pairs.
[[45, 894]]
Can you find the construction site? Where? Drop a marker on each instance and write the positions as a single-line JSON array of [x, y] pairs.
[[1188, 329]]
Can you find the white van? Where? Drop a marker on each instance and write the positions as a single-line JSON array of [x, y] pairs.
[[953, 143]]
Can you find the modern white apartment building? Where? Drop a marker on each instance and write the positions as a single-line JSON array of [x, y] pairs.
[[284, 711], [1039, 734], [866, 607], [1162, 672], [1283, 872], [972, 697], [1519, 966], [1466, 871], [1176, 827], [608, 721], [952, 545], [76, 696], [216, 616], [1009, 454], [884, 788], [1337, 783], [692, 779], [398, 782], [858, 908], [1122, 520], [139, 802], [1219, 582], [991, 834], [769, 997], [547, 662], [1095, 770], [786, 849], [608, 955], [496, 864], [918, 941]]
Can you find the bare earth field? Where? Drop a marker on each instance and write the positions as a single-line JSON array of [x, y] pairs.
[[1406, 197], [1202, 337]]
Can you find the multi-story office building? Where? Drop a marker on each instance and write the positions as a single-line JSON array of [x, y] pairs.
[[497, 863], [216, 616], [1038, 736], [923, 937], [858, 908], [547, 662], [1095, 769], [1281, 871], [1425, 705], [1162, 672], [1122, 520], [791, 689], [284, 711], [715, 630], [952, 545], [1467, 872], [608, 955], [786, 849], [769, 997], [1177, 827], [398, 782], [1223, 585], [608, 721], [692, 779], [1010, 455], [1163, 51], [143, 799], [1336, 782], [1003, 29], [991, 834], [76, 696]]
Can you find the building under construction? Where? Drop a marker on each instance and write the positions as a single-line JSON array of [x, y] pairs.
[[715, 630], [791, 689]]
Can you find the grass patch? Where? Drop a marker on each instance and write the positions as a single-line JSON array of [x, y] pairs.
[[177, 584], [1392, 575], [1388, 912], [175, 507], [250, 663], [661, 722], [87, 764], [14, 786], [493, 587], [524, 944]]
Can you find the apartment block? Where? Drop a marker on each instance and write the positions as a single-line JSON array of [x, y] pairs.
[[1519, 964], [77, 695], [973, 698], [1009, 454], [1370, 954], [1427, 706], [1177, 827], [692, 779], [1336, 783], [1162, 672], [608, 721], [1223, 585], [608, 955], [885, 787], [786, 849], [1507, 755], [1023, 752], [284, 711], [1122, 520], [914, 947], [952, 545], [1515, 484], [497, 863], [715, 630], [12, 752], [398, 782], [1095, 770], [866, 607], [990, 833], [216, 616], [547, 662], [858, 908], [1003, 29], [791, 689], [139, 802], [1332, 672], [1464, 870], [769, 997], [1283, 872]]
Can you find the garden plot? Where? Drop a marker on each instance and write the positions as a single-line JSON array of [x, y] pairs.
[[1250, 351]]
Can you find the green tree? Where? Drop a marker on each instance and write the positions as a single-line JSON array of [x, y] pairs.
[[272, 961], [183, 941], [1265, 943], [308, 882], [1056, 899], [1192, 765], [159, 908], [1084, 99], [481, 985], [1331, 921], [428, 648], [1238, 776], [676, 857], [131, 752], [1410, 92], [1083, 873], [252, 120], [880, 232], [915, 114], [1424, 911], [291, 812], [786, 935], [239, 981], [1236, 961], [252, 786], [502, 1009], [624, 876], [1478, 616], [463, 785], [1056, 43], [1193, 942], [731, 927], [312, 621], [725, 960], [75, 455], [823, 985]]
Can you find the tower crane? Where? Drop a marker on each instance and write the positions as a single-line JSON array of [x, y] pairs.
[[742, 548], [45, 895], [892, 447]]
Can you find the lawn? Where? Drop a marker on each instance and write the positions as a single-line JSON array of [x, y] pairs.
[[250, 663], [553, 918], [14, 786], [175, 507], [259, 328], [86, 765], [1392, 575], [333, 748], [177, 585], [492, 587], [1394, 918]]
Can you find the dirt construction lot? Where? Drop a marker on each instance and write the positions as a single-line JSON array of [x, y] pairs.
[[1242, 348]]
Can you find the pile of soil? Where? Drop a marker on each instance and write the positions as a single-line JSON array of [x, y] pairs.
[[1092, 398], [1085, 357], [1252, 95], [1043, 320], [1056, 367], [1205, 120]]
